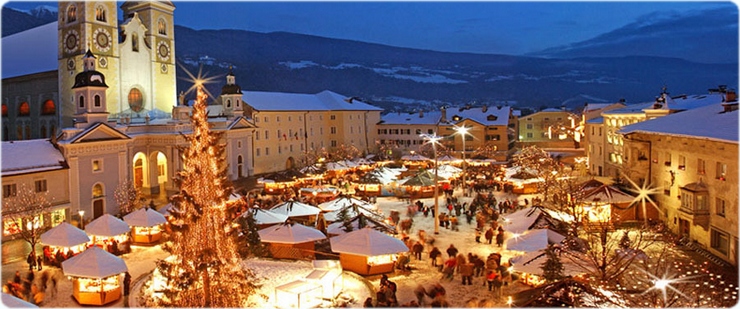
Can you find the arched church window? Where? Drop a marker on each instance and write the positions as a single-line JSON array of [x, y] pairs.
[[161, 27], [135, 42], [97, 100], [228, 103], [49, 108], [100, 13], [71, 13], [97, 190], [5, 110], [135, 100], [82, 102], [24, 109]]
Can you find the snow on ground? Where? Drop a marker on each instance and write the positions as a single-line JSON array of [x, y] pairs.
[[141, 261]]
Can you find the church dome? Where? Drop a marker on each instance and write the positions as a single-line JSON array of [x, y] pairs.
[[231, 89], [89, 79]]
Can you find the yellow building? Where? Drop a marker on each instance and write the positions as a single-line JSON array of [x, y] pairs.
[[691, 158], [490, 127], [549, 128], [593, 134], [292, 125]]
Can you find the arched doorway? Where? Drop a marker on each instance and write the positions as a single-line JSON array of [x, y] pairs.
[[159, 175], [290, 163], [140, 169], [239, 166]]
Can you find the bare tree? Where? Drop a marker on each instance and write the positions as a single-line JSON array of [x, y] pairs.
[[344, 152], [24, 213], [128, 197]]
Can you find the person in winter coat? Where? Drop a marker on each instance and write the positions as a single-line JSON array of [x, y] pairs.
[[433, 255], [497, 283], [479, 265], [452, 251], [477, 235], [490, 278], [31, 260], [466, 271], [419, 292], [489, 235], [500, 237], [449, 269], [418, 248], [460, 258]]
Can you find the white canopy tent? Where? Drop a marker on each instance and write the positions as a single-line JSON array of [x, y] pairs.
[[64, 235], [10, 301], [107, 226], [295, 209], [534, 240], [290, 234], [262, 216], [352, 211], [145, 217], [522, 220], [94, 263], [367, 242], [531, 263], [344, 201]]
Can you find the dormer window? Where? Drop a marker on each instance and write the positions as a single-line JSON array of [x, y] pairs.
[[456, 118], [100, 13], [491, 118], [71, 13]]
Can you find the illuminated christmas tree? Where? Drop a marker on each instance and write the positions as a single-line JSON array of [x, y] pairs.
[[205, 268]]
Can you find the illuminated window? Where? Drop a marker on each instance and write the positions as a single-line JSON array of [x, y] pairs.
[[160, 169], [97, 165], [681, 162], [49, 108], [5, 110], [100, 13], [135, 100], [721, 171], [24, 109], [71, 13]]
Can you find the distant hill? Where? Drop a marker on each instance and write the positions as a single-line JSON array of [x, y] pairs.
[[16, 21], [406, 79]]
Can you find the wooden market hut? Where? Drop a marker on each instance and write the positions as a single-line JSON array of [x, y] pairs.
[[421, 185], [366, 251], [535, 217], [97, 276], [146, 225], [291, 240], [609, 204], [278, 182], [107, 228]]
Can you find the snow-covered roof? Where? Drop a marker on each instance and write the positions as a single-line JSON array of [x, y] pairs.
[[489, 116], [94, 263], [344, 201], [290, 234], [707, 122], [551, 110], [596, 120], [145, 217], [425, 118], [322, 101], [31, 51], [595, 106], [533, 240], [295, 209], [64, 235], [367, 242], [107, 226], [38, 155], [677, 103], [262, 216]]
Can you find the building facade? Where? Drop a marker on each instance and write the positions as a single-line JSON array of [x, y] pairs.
[[549, 128], [691, 159]]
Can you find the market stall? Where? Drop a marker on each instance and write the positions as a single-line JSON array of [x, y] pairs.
[[10, 301], [343, 201], [529, 266], [298, 294], [422, 185], [533, 240], [609, 204], [351, 211], [321, 192], [65, 237], [359, 221], [96, 276], [265, 218], [367, 251], [146, 225], [108, 231], [535, 217], [291, 240]]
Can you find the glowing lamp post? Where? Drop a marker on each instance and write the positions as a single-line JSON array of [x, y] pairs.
[[82, 219], [434, 139], [463, 131]]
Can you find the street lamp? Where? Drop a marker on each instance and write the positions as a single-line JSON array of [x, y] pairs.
[[434, 140], [463, 131]]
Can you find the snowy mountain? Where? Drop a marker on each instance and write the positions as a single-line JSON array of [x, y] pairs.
[[14, 21], [44, 12]]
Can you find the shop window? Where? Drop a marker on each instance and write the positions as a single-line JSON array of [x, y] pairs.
[[12, 226]]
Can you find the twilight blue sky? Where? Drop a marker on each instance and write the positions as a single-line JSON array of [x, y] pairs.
[[481, 27]]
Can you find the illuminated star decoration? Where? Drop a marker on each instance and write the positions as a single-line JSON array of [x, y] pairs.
[[198, 81], [665, 282], [643, 194]]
